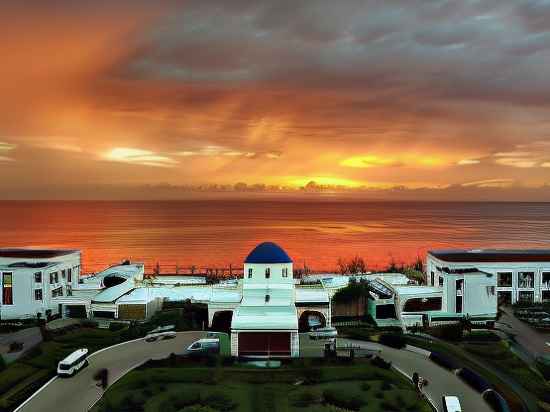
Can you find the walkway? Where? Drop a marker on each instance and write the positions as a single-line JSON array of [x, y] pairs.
[[441, 382], [78, 393]]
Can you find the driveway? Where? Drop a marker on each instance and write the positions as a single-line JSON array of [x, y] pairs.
[[441, 382], [78, 393]]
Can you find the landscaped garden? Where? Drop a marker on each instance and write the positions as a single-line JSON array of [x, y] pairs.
[[302, 385]]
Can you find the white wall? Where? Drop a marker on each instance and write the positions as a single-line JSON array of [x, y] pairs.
[[24, 303], [275, 278], [495, 267]]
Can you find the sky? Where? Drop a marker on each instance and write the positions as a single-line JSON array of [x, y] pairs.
[[404, 98]]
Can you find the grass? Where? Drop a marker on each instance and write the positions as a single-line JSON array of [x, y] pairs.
[[40, 363], [243, 389]]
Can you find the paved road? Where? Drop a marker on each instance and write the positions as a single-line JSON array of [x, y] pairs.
[[440, 381], [76, 394]]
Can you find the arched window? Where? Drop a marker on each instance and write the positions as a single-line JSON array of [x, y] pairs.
[[267, 298], [249, 273], [267, 273]]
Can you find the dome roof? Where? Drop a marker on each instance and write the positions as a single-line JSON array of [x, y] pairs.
[[268, 252]]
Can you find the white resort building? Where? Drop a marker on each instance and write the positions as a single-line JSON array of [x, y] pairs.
[[31, 280], [515, 275], [267, 309]]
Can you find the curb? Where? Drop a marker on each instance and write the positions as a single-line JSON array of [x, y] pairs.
[[90, 356]]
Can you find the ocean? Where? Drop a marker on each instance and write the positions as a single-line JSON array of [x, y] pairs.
[[315, 232]]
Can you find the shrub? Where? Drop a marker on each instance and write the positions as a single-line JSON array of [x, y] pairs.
[[116, 326], [88, 324], [386, 386], [342, 400], [2, 363], [453, 332], [393, 340], [312, 375], [380, 363], [365, 386], [219, 402], [306, 399]]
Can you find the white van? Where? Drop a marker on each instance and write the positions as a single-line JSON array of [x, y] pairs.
[[202, 346], [324, 333], [451, 404], [152, 337], [73, 363]]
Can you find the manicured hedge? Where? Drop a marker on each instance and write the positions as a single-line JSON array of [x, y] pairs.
[[393, 340], [496, 401], [474, 380], [443, 361]]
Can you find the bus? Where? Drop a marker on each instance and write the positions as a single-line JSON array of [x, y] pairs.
[[73, 363], [451, 404]]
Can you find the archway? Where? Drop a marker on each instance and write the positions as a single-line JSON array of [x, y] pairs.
[[221, 322], [311, 319]]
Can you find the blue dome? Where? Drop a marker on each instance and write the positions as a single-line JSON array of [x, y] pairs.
[[268, 252]]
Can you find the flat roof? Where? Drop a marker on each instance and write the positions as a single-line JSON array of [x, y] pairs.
[[492, 255], [417, 290], [27, 253]]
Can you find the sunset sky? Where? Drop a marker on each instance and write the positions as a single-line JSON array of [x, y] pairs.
[[420, 95]]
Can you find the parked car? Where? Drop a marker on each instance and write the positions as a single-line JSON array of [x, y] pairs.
[[451, 404], [152, 337], [204, 346], [324, 333]]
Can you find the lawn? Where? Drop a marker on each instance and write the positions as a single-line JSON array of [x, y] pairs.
[[27, 374], [302, 386]]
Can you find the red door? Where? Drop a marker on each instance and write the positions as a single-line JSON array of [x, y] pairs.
[[264, 343]]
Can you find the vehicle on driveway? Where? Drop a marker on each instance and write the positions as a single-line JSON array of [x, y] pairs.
[[451, 404], [73, 363], [204, 346], [152, 337], [323, 333]]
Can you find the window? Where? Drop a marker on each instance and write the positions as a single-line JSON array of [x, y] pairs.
[[7, 288], [267, 273], [38, 277], [422, 304], [267, 298], [525, 297], [505, 279], [526, 280], [546, 280], [249, 273], [385, 311], [63, 274], [285, 272], [69, 275], [38, 294], [440, 281], [490, 290], [432, 278], [56, 277], [51, 278], [57, 292]]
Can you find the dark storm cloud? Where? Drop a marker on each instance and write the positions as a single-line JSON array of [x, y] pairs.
[[316, 85]]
